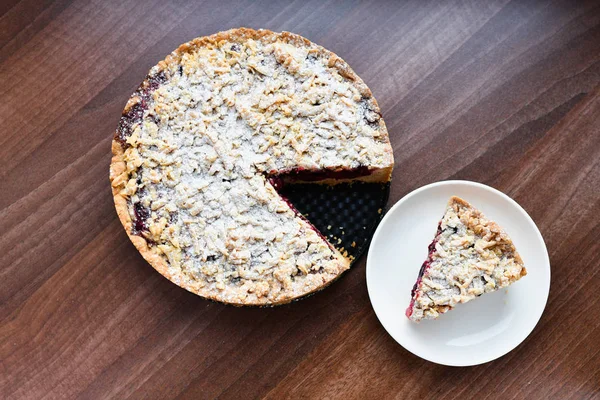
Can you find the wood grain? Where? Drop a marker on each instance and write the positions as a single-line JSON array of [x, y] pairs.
[[502, 92]]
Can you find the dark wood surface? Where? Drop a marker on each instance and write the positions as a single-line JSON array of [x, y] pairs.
[[501, 92]]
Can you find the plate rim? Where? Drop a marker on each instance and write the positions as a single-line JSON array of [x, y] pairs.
[[368, 269]]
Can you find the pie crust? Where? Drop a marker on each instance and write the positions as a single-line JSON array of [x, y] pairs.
[[201, 142]]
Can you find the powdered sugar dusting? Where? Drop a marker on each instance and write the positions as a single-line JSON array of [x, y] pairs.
[[230, 113], [472, 256]]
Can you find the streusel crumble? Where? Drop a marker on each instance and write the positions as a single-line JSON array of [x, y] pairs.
[[203, 142], [469, 256]]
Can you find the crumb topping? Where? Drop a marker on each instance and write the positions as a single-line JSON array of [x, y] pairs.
[[200, 139], [469, 256]]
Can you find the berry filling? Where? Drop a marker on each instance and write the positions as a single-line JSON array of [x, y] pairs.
[[135, 113], [370, 115], [424, 268], [141, 215], [314, 175]]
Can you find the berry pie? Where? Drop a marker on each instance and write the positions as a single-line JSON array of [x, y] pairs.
[[207, 140], [469, 256]]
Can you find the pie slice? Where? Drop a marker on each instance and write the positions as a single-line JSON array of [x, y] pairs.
[[470, 255], [208, 139]]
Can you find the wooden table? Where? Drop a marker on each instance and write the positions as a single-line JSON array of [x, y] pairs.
[[504, 93]]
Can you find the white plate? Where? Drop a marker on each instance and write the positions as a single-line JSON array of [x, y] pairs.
[[473, 333]]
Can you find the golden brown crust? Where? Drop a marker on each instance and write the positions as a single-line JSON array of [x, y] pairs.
[[119, 176]]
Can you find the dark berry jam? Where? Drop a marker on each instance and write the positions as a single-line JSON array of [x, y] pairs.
[[370, 115], [276, 182], [310, 175], [424, 267], [141, 215], [135, 113], [153, 82]]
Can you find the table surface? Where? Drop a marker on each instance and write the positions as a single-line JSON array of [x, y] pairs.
[[500, 92]]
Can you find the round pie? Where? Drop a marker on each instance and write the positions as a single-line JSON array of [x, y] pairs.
[[208, 138]]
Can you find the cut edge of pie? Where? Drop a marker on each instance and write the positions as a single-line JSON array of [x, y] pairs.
[[119, 175], [470, 255]]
